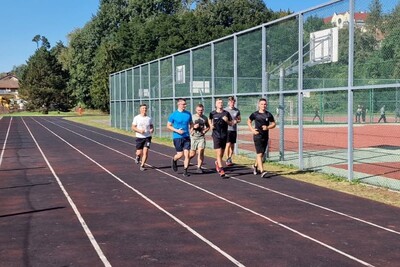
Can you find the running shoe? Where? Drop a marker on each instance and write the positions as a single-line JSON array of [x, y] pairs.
[[255, 171], [229, 162], [221, 172], [174, 165], [217, 168], [185, 173], [142, 168], [199, 170], [137, 159], [264, 175]]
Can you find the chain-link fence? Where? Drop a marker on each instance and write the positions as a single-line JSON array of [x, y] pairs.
[[330, 74]]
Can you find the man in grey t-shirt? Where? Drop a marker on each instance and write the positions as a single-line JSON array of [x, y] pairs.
[[232, 130]]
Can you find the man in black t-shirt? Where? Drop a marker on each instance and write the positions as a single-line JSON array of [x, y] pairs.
[[263, 122], [219, 121]]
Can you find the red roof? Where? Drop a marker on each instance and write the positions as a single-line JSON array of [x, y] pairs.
[[9, 82], [359, 16]]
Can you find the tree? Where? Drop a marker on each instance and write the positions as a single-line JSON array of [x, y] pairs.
[[36, 39], [375, 17], [45, 42], [43, 82]]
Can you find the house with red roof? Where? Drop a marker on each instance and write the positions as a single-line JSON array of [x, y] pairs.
[[9, 99]]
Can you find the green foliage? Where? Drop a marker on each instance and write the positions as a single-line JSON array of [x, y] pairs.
[[126, 33], [43, 82]]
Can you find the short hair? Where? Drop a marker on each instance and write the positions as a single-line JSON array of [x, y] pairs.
[[262, 99], [142, 105], [231, 98], [200, 105], [181, 99]]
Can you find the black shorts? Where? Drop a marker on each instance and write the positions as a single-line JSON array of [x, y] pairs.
[[182, 144], [232, 136], [143, 142], [260, 143], [219, 142]]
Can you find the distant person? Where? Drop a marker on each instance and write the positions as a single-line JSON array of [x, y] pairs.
[[80, 111], [358, 114], [180, 123], [232, 129], [198, 139], [383, 114], [219, 120], [396, 114], [263, 122], [143, 126], [363, 113], [316, 115]]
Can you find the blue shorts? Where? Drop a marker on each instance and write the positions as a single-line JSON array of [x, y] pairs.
[[182, 144]]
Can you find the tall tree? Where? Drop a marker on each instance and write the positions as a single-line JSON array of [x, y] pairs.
[[375, 17], [43, 81]]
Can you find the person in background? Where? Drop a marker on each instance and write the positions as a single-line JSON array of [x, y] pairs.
[[232, 129], [263, 122], [316, 114], [180, 123], [143, 126], [363, 113], [383, 114], [396, 114], [198, 139], [219, 120], [358, 114]]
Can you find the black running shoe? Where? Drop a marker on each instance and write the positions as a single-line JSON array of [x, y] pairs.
[[264, 175], [185, 173], [174, 165]]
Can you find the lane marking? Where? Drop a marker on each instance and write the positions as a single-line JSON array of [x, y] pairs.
[[221, 198], [241, 180], [72, 204], [5, 142], [187, 227]]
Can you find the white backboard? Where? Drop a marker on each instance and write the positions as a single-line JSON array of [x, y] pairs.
[[324, 46]]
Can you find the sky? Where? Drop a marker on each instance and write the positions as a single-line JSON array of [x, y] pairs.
[[21, 20]]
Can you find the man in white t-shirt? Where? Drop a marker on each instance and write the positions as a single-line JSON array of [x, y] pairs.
[[143, 126]]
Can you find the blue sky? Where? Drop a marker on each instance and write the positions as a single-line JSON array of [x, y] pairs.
[[21, 20]]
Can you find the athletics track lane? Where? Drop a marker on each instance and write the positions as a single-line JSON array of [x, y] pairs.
[[201, 220]]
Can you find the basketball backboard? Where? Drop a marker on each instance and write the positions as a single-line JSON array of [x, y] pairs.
[[324, 46]]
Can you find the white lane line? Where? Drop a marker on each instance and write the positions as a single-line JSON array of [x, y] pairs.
[[208, 242], [235, 204], [247, 182], [71, 202], [5, 142], [319, 206]]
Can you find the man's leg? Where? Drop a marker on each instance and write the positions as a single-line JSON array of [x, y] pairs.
[[145, 155], [200, 157]]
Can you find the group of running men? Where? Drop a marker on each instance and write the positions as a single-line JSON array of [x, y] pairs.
[[188, 134]]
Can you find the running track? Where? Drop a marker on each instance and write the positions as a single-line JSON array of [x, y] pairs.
[[71, 196]]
